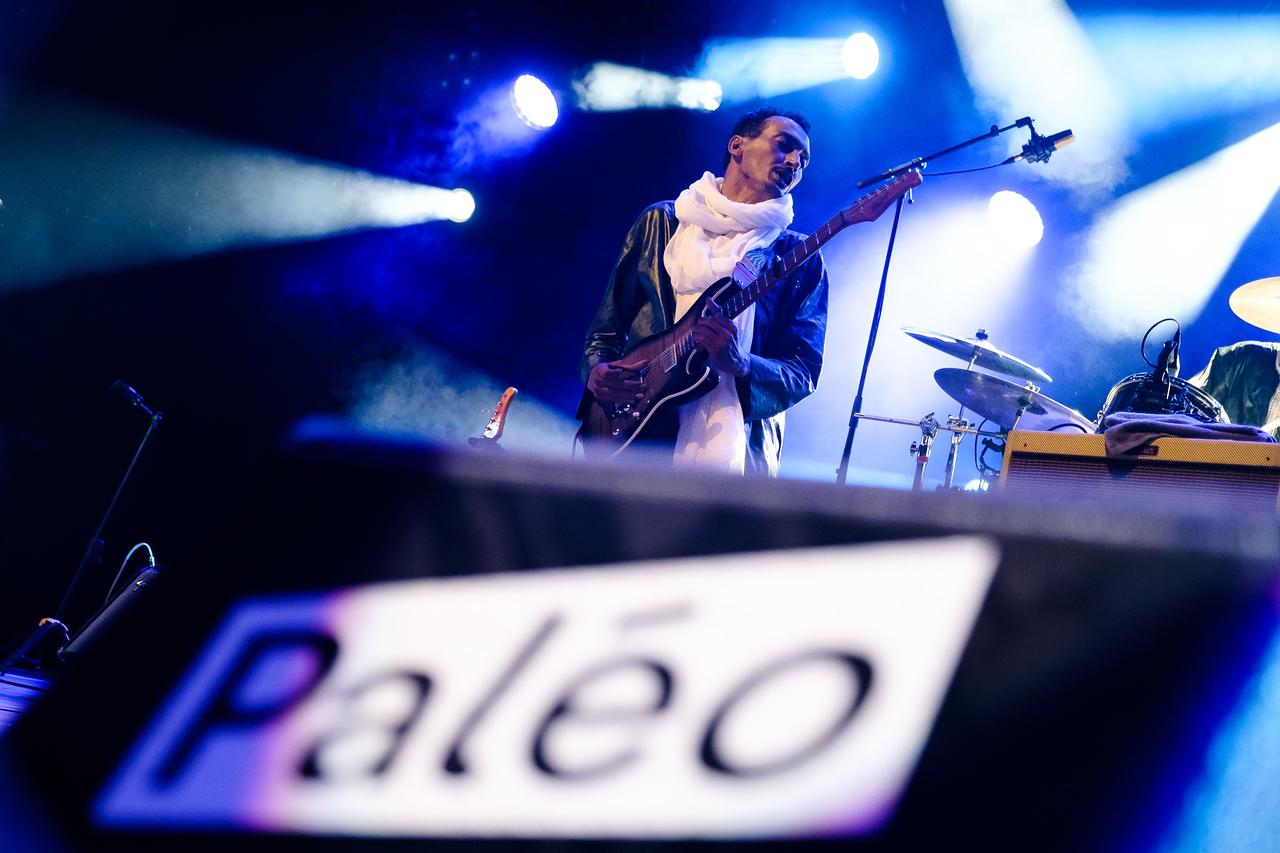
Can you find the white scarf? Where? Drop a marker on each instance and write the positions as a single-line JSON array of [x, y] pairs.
[[713, 236]]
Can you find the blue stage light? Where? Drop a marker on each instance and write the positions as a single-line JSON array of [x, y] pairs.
[[860, 56], [149, 192], [749, 69], [607, 87], [534, 102]]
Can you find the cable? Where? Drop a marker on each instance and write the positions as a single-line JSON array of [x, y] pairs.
[[1172, 320], [965, 171], [151, 556]]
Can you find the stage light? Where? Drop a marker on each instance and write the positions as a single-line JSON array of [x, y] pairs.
[[135, 191], [606, 87], [1176, 68], [1161, 251], [1032, 55], [461, 205], [1015, 219], [534, 102], [704, 95], [860, 55], [749, 69]]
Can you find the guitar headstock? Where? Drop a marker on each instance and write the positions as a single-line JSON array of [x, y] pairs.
[[870, 206], [499, 419]]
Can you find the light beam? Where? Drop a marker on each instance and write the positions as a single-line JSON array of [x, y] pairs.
[[762, 68], [606, 87], [1162, 250], [88, 190]]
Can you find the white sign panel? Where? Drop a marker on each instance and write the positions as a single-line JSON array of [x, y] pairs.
[[786, 693]]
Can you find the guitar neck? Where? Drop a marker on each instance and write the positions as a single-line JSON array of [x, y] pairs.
[[769, 278], [866, 209]]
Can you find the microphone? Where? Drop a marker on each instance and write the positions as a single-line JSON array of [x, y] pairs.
[[1167, 363], [1039, 149], [135, 398]]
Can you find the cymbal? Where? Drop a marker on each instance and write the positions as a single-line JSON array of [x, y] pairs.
[[979, 353], [998, 399], [1258, 303]]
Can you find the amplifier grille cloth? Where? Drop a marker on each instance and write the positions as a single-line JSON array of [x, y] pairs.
[[1073, 476]]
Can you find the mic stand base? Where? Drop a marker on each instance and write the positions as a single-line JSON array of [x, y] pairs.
[[40, 651]]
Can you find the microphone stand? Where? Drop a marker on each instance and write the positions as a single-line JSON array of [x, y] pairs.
[[918, 163], [51, 634]]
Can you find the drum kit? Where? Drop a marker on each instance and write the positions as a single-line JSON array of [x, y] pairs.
[[1010, 405], [1007, 404]]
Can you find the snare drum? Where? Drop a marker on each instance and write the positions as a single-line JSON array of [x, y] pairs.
[[1142, 393]]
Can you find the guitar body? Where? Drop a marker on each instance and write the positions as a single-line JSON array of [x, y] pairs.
[[673, 375]]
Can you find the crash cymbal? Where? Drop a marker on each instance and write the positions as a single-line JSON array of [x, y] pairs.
[[1258, 303], [998, 399], [979, 353]]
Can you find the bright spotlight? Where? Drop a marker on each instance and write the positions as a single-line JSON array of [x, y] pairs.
[[1015, 219], [607, 87], [534, 102], [1162, 250], [461, 205], [704, 95], [860, 55]]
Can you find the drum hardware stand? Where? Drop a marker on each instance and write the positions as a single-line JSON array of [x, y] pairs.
[[1024, 403], [920, 449], [842, 471], [929, 426], [42, 648], [985, 471], [957, 436]]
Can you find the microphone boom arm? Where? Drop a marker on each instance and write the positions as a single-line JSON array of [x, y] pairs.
[[921, 162]]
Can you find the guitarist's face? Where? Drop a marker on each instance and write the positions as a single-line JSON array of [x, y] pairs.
[[771, 164]]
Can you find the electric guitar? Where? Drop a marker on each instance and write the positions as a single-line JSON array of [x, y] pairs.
[[488, 440], [674, 369]]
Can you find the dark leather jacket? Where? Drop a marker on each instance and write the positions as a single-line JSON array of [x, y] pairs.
[[786, 346]]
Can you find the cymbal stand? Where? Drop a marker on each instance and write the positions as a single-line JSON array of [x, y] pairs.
[[928, 429], [957, 436], [1024, 403]]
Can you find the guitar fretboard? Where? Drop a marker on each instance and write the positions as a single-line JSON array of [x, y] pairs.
[[769, 277]]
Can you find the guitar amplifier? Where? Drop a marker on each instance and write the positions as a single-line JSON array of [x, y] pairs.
[[1240, 474]]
